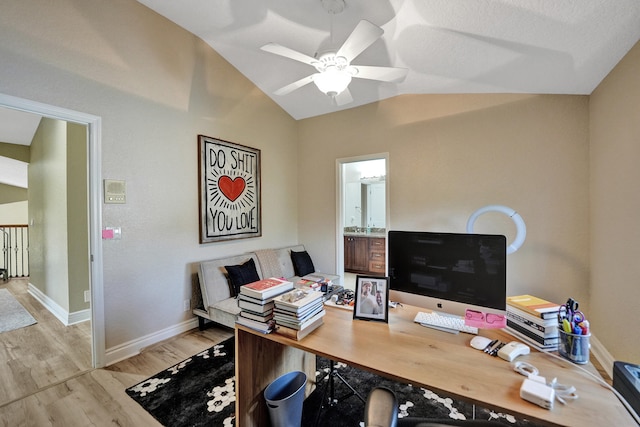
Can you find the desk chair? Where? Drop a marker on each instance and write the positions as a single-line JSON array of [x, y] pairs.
[[381, 410]]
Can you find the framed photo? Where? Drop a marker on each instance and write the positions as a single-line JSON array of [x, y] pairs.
[[229, 186], [371, 298]]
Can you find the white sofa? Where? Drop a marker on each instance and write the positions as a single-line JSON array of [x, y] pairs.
[[218, 301]]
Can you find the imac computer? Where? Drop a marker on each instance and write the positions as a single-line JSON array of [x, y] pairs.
[[447, 272]]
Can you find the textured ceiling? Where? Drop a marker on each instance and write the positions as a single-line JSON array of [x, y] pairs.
[[449, 46]]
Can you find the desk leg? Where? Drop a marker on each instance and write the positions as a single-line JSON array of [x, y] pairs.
[[259, 361]]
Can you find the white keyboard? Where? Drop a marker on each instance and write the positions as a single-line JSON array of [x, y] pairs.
[[452, 324]]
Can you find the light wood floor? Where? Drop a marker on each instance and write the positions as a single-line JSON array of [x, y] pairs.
[[47, 379]]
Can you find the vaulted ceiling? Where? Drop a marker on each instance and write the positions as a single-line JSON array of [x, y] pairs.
[[448, 46]]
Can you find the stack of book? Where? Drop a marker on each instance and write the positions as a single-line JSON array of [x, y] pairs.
[[256, 303], [533, 320], [299, 312]]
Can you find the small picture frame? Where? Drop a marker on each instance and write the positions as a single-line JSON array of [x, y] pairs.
[[371, 298]]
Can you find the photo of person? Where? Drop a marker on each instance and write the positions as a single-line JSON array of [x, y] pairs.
[[371, 299]]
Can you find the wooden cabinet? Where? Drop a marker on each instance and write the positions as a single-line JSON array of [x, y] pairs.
[[356, 254], [364, 255]]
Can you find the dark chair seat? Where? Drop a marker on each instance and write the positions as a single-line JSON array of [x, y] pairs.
[[381, 410]]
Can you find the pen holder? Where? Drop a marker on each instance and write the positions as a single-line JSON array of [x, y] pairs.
[[574, 347]]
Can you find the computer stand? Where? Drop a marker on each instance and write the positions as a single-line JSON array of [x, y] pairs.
[[330, 387]]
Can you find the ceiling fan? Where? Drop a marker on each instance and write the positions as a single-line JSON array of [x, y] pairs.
[[334, 69]]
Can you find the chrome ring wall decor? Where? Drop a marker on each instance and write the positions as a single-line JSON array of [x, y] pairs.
[[515, 216]]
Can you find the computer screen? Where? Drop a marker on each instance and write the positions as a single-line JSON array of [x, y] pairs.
[[448, 272]]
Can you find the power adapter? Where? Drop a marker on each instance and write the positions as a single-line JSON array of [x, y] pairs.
[[538, 392]]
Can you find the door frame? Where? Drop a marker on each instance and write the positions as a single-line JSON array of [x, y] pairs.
[[340, 184], [94, 140]]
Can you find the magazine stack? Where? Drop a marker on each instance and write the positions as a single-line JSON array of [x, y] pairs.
[[298, 312], [533, 320], [256, 302]]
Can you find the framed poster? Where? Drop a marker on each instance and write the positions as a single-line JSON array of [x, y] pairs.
[[229, 185], [371, 298]]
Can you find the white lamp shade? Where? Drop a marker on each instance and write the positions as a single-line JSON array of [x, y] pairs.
[[332, 81]]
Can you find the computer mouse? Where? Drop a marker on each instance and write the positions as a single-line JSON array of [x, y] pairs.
[[480, 343]]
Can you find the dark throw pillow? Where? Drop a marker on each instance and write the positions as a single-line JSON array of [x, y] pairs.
[[302, 263], [242, 274]]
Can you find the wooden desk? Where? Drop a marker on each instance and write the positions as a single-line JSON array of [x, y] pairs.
[[405, 351]]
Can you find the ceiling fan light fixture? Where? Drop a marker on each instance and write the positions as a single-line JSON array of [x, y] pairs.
[[332, 81]]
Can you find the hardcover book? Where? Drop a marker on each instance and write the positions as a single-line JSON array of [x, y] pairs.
[[297, 300], [542, 341], [265, 288], [542, 326], [256, 308], [296, 320], [529, 341], [299, 334], [299, 325], [264, 317], [302, 313], [535, 306], [264, 327]]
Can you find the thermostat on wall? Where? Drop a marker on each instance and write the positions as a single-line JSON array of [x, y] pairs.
[[114, 191]]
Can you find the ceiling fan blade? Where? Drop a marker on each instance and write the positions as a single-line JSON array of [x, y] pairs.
[[343, 97], [295, 85], [289, 53], [385, 74], [363, 36]]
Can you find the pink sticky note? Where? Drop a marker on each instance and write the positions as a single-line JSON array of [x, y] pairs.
[[481, 320], [107, 234]]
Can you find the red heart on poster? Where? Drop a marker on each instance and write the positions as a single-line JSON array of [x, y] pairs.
[[231, 188]]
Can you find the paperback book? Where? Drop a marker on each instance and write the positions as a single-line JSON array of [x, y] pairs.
[[535, 306]]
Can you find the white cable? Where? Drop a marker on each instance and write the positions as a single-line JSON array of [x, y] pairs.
[[562, 392], [603, 383], [524, 368]]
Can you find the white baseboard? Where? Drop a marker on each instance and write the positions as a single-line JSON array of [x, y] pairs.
[[132, 348], [604, 357], [54, 308]]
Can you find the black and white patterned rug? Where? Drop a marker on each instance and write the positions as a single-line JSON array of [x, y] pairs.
[[200, 391]]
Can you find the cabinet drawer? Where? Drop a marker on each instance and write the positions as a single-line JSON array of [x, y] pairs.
[[376, 244], [377, 267], [377, 257]]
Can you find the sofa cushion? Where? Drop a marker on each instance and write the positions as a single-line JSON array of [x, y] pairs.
[[242, 274], [214, 281], [302, 263]]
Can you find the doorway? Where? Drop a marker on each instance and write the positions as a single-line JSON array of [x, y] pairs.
[[362, 217], [93, 125]]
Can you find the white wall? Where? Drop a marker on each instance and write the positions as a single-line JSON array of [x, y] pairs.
[[452, 154], [615, 203], [14, 213], [156, 87]]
